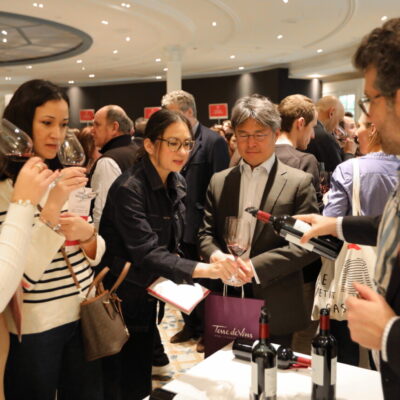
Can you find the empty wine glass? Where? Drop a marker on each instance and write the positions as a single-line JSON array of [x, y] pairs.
[[237, 239], [71, 153], [15, 144]]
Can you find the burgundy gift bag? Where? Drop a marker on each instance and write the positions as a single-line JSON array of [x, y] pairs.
[[227, 318]]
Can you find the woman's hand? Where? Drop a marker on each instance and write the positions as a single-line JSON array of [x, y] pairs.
[[223, 270], [33, 181], [70, 179], [74, 227]]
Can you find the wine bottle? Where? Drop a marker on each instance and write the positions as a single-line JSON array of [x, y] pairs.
[[263, 363], [324, 358], [292, 230]]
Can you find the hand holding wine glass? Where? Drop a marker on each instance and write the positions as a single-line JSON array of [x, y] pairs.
[[237, 239], [15, 144]]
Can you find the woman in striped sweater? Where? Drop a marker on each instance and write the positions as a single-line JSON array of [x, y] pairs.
[[49, 358]]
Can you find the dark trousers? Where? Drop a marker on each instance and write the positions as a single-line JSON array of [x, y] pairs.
[[127, 375], [348, 351], [52, 361]]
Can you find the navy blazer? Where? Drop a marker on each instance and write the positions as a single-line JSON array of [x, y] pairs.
[[209, 155]]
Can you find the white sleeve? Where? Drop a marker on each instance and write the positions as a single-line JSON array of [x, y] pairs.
[[14, 238], [385, 336], [105, 173]]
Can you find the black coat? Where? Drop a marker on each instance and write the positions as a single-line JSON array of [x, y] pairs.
[[210, 155]]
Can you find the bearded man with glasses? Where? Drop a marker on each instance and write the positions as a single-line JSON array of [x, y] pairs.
[[262, 181]]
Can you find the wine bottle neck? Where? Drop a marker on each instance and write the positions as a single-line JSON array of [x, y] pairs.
[[264, 331], [264, 216], [324, 325]]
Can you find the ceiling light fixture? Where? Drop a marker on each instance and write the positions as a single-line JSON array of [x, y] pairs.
[[83, 68], [128, 39], [8, 78], [4, 40], [214, 23], [158, 60], [384, 18], [315, 76], [126, 5], [40, 5], [29, 67], [158, 77], [285, 1], [232, 57], [240, 68], [320, 51], [165, 69], [4, 32], [279, 37], [104, 22], [115, 51], [92, 75], [79, 61], [71, 82]]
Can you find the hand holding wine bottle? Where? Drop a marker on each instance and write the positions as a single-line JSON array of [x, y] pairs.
[[320, 226]]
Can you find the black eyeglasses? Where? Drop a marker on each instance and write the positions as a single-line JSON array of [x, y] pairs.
[[259, 137], [174, 144], [365, 102]]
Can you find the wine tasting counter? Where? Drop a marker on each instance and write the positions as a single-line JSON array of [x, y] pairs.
[[222, 376]]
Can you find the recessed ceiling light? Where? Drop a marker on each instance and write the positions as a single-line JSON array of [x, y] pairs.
[[79, 61], [384, 18], [240, 68], [232, 57], [115, 51], [71, 82], [157, 60], [158, 77], [40, 5], [320, 51], [128, 39], [29, 67], [315, 76], [165, 69], [214, 23], [83, 68], [4, 32], [4, 40], [8, 78], [92, 75], [279, 37], [104, 22], [126, 5], [285, 1]]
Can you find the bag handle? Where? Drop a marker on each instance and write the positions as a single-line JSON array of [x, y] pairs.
[[356, 203], [98, 279], [225, 291], [71, 271], [121, 277]]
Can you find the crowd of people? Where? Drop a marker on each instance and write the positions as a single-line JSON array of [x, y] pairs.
[[164, 188]]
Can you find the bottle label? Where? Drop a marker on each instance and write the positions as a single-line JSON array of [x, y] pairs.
[[318, 369], [269, 380], [293, 239], [301, 226]]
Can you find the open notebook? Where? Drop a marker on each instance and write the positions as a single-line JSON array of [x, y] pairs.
[[183, 297]]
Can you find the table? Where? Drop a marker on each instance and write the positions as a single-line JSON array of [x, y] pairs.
[[222, 376]]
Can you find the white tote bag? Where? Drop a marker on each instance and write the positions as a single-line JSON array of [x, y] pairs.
[[355, 263]]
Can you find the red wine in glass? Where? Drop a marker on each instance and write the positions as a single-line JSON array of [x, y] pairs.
[[236, 250], [15, 144], [19, 157]]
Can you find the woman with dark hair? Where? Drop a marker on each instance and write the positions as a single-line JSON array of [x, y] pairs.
[[142, 222], [49, 358], [86, 139]]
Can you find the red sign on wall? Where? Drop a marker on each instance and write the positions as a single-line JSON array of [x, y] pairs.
[[218, 111], [86, 115], [150, 110]]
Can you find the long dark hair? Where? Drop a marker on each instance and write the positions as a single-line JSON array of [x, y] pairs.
[[158, 123], [21, 110]]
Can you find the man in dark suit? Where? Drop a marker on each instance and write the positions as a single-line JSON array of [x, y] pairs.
[[324, 145], [209, 155], [262, 181], [374, 319]]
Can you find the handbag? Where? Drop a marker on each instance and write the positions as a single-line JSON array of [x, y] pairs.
[[355, 263], [227, 318], [103, 328]]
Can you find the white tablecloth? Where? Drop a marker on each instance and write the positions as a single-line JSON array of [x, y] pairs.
[[221, 377]]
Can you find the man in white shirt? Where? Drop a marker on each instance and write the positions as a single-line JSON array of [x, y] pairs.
[[112, 134], [262, 181]]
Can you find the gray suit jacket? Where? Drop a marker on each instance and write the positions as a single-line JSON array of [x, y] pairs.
[[278, 263]]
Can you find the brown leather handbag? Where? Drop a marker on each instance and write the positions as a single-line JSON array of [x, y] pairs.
[[103, 328]]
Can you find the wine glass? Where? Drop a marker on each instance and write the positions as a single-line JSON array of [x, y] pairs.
[[15, 144], [237, 239], [71, 153]]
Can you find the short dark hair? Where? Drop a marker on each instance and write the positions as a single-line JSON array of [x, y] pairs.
[[158, 123], [349, 114], [381, 49], [21, 111], [294, 107]]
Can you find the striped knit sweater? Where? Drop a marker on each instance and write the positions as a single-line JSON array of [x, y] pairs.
[[50, 296]]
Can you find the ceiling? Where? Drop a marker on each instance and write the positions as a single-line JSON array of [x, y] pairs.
[[134, 40]]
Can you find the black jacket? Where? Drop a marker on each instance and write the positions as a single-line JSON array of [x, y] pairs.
[[210, 155], [142, 222]]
